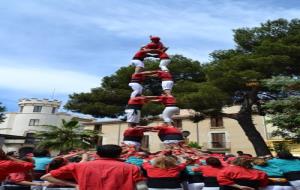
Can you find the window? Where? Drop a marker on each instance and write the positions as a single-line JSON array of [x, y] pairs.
[[30, 138], [37, 108], [145, 142], [34, 122], [218, 140], [98, 128], [216, 121], [53, 110], [21, 109]]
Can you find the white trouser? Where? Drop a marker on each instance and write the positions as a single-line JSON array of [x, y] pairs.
[[137, 89], [295, 184], [195, 186], [169, 112], [165, 189], [133, 143], [164, 64], [137, 63], [277, 187], [211, 188], [167, 84], [172, 141], [133, 116], [141, 185]]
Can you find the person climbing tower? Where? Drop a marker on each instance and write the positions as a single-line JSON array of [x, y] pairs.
[[171, 109], [134, 134]]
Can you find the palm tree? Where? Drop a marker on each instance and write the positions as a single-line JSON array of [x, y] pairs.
[[70, 135]]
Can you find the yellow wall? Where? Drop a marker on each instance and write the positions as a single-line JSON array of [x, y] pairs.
[[235, 137]]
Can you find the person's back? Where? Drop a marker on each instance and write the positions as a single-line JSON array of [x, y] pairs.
[[286, 165], [106, 173], [290, 166], [241, 176]]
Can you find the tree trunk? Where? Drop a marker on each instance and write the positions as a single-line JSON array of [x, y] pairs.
[[244, 118]]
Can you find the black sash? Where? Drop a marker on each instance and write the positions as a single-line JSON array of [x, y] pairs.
[[292, 176], [166, 182], [210, 182], [133, 138], [176, 136], [195, 179], [244, 182]]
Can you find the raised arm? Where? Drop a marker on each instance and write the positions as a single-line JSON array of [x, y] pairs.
[[50, 178]]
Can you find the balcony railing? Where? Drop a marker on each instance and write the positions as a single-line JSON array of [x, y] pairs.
[[216, 145]]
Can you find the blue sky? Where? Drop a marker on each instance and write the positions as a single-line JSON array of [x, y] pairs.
[[69, 45]]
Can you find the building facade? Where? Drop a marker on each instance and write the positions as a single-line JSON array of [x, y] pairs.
[[216, 134], [33, 115]]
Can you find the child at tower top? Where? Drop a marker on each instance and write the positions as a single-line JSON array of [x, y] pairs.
[[155, 44], [159, 50]]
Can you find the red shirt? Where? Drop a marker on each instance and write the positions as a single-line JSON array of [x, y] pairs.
[[231, 173], [140, 55], [163, 130], [155, 172], [9, 166], [167, 100], [137, 77], [102, 174], [137, 101], [19, 177], [153, 45], [164, 75], [208, 171], [163, 55], [136, 132]]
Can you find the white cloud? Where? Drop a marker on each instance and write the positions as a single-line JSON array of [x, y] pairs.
[[45, 80]]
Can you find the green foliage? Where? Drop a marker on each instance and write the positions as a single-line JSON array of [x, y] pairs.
[[285, 116], [194, 145], [284, 113], [281, 84], [2, 110], [281, 147], [70, 135], [205, 98]]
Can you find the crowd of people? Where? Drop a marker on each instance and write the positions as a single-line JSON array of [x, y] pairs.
[[177, 167]]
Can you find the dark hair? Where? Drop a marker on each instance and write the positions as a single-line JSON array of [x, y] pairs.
[[214, 162], [10, 153], [240, 152], [27, 159], [285, 155], [41, 153], [3, 155], [109, 151], [56, 163], [243, 162]]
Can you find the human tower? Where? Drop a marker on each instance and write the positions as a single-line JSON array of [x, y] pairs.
[[167, 133]]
